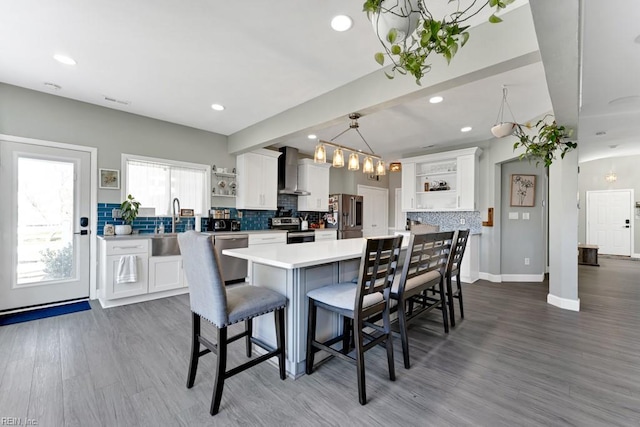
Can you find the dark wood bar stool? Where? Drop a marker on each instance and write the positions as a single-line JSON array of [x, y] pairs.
[[453, 269], [421, 286], [212, 301], [356, 302]]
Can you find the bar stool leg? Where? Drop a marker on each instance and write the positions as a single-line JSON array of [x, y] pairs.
[[282, 364], [195, 349], [311, 336], [221, 371], [248, 327]]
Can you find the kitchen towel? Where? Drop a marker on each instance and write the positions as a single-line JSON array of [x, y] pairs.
[[127, 269]]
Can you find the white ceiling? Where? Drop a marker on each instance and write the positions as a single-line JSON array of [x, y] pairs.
[[171, 60]]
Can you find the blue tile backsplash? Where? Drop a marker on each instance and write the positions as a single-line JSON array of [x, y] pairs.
[[251, 220]]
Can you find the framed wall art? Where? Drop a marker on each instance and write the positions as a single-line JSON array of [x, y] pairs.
[[523, 190], [109, 179]]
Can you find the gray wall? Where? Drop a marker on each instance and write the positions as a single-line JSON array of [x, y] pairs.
[[520, 238], [342, 180], [591, 178], [32, 114]]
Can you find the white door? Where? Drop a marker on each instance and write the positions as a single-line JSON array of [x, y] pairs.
[[401, 216], [45, 207], [609, 221], [375, 211]]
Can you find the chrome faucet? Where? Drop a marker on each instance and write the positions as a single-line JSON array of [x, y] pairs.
[[176, 214]]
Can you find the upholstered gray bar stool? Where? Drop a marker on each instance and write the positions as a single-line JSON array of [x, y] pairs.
[[453, 269], [422, 282], [357, 302], [212, 301]]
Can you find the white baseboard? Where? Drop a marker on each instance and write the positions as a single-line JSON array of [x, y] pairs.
[[522, 277], [635, 255], [564, 303], [496, 278]]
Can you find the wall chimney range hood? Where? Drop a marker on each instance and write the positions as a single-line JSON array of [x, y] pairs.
[[288, 172]]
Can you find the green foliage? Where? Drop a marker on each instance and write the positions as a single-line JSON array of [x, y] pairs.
[[543, 146], [444, 38], [129, 209], [58, 264]]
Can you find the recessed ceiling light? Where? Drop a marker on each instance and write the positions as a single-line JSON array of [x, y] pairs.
[[466, 129], [436, 99], [217, 107], [311, 136], [341, 23], [63, 59]]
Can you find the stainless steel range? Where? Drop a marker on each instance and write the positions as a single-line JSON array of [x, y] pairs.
[[292, 226]]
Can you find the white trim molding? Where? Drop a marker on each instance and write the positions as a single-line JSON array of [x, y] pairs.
[[635, 255], [523, 277], [564, 303], [495, 278]]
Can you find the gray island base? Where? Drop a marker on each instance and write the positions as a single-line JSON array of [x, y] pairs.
[[294, 270]]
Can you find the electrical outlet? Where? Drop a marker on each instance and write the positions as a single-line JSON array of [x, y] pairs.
[[239, 214], [116, 213], [462, 221], [526, 261]]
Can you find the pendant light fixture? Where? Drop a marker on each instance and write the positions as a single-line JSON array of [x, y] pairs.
[[338, 158], [353, 164], [320, 155], [502, 128]]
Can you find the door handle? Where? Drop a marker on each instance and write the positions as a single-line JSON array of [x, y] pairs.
[[82, 232], [627, 226]]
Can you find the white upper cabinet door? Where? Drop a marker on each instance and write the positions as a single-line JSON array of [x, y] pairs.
[[467, 182], [314, 178], [257, 180], [408, 186]]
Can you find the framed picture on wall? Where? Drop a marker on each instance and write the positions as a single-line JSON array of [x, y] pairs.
[[523, 190], [109, 179]]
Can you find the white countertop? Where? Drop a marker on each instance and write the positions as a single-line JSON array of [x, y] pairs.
[[302, 254]]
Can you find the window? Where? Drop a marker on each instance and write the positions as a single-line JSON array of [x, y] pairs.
[[155, 183]]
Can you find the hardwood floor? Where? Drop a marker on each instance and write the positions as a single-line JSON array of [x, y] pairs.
[[514, 360]]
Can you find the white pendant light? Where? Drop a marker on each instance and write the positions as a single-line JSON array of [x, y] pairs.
[[380, 169], [320, 155], [502, 128], [354, 162], [338, 158], [367, 165]]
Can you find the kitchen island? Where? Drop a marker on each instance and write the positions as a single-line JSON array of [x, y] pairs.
[[294, 270]]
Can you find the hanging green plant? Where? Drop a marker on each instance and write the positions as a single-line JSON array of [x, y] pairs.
[[409, 33], [542, 147]]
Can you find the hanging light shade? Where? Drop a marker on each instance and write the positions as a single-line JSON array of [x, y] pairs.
[[320, 155], [380, 169], [367, 165], [338, 158], [502, 128], [354, 162]]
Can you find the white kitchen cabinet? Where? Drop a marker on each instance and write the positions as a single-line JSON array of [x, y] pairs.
[[441, 182], [324, 234], [110, 254], [165, 273], [314, 178], [257, 180]]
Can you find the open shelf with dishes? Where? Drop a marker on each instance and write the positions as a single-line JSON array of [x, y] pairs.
[[443, 181], [224, 184]]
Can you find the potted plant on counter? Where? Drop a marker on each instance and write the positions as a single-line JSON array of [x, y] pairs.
[[129, 212]]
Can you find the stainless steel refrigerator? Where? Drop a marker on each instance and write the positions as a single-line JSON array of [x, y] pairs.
[[345, 214]]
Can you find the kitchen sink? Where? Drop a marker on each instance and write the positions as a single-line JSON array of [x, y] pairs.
[[165, 246]]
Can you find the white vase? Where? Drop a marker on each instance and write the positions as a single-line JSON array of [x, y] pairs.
[[387, 19], [123, 229], [503, 129]]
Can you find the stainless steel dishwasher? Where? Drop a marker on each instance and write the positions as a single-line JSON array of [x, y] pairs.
[[233, 269]]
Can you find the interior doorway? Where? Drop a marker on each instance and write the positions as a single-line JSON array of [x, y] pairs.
[[375, 210]]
